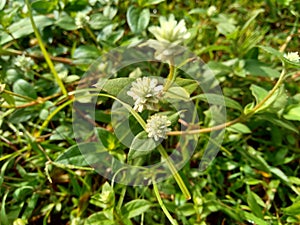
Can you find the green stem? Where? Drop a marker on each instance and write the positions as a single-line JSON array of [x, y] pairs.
[[143, 124], [90, 32], [129, 108], [18, 95], [51, 115], [174, 172], [269, 95], [206, 130], [44, 51], [161, 150], [71, 167], [122, 195], [161, 203], [171, 76], [239, 119]]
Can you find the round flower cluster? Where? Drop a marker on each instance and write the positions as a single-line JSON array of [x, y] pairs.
[[170, 30], [24, 63], [146, 92], [157, 126], [292, 56], [81, 19]]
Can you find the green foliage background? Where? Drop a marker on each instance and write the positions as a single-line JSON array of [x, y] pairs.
[[253, 180]]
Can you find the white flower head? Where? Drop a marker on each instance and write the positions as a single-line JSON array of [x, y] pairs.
[[211, 10], [292, 56], [146, 92], [157, 126], [24, 63], [81, 19], [170, 30]]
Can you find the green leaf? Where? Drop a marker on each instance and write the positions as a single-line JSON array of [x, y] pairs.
[[66, 22], [21, 193], [115, 86], [3, 215], [293, 209], [258, 92], [86, 54], [77, 5], [151, 2], [2, 4], [102, 116], [106, 198], [31, 205], [280, 174], [293, 113], [219, 100], [226, 28], [246, 26], [280, 55], [43, 7], [272, 51], [108, 139], [141, 145], [188, 209], [279, 96], [219, 67], [24, 88], [23, 28], [20, 116], [295, 180], [95, 218], [62, 132], [279, 122], [8, 98], [98, 21], [177, 93], [254, 220], [137, 19], [255, 68], [255, 208], [73, 155], [239, 128], [188, 84], [135, 208], [255, 158], [20, 221]]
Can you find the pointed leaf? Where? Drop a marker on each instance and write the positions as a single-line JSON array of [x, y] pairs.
[[293, 209], [23, 28], [216, 99], [140, 146], [22, 87], [137, 19], [293, 113], [177, 93], [135, 208], [255, 208], [74, 155]]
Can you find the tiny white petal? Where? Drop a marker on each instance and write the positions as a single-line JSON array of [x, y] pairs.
[[170, 30], [292, 56], [146, 92], [157, 127]]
